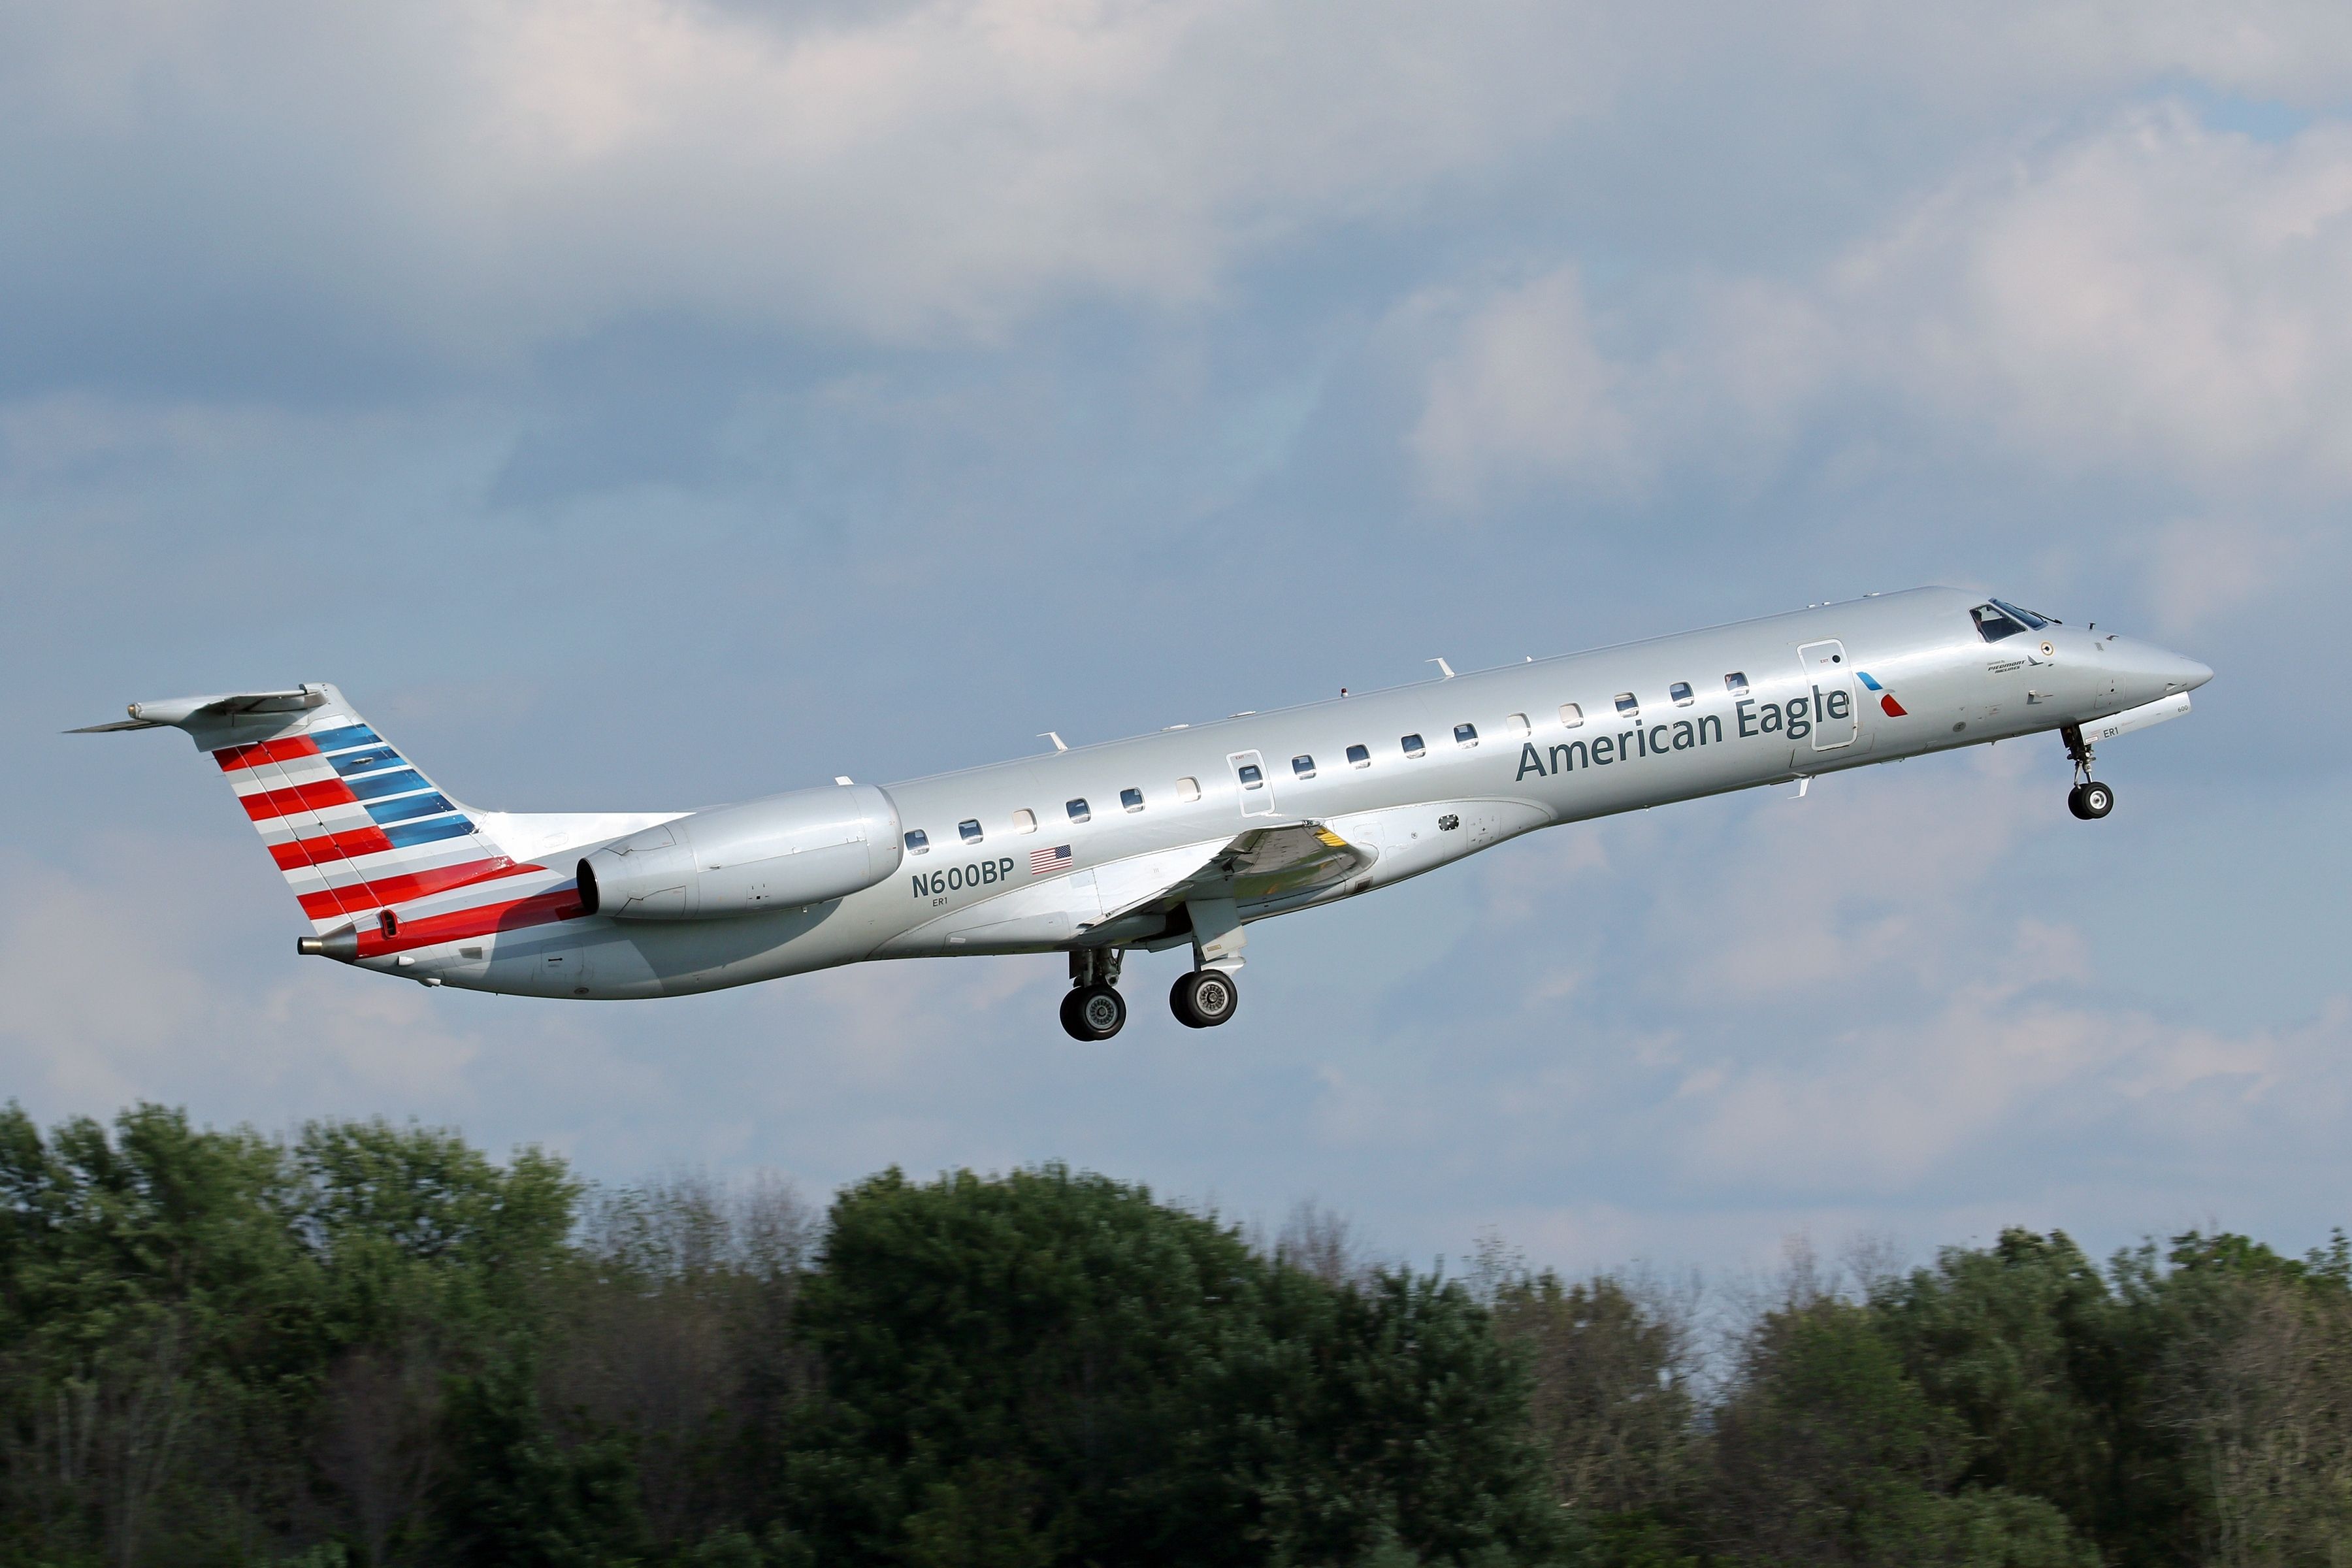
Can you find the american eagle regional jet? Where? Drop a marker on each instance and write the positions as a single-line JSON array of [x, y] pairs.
[[1181, 838]]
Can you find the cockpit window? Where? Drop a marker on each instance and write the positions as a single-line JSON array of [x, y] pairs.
[[2028, 616], [1993, 622]]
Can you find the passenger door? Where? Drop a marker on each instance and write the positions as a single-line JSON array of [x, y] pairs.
[[1250, 777], [1830, 683]]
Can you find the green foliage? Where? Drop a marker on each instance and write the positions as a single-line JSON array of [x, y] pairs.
[[1612, 1373], [368, 1345], [186, 1316], [1829, 1452], [522, 1493], [1049, 1367], [2048, 1368]]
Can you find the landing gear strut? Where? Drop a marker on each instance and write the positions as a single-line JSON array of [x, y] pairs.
[[1093, 1010], [2089, 799]]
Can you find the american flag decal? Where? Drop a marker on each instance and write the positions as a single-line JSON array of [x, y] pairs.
[[1042, 861]]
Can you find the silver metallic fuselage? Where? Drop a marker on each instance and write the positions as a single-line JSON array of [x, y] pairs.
[[1527, 769]]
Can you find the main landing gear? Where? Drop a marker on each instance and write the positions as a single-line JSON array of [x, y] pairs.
[[2089, 799], [1093, 1010], [1204, 998]]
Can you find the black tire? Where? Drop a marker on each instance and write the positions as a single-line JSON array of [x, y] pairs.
[[1204, 998], [2075, 803], [1094, 1013], [2097, 801]]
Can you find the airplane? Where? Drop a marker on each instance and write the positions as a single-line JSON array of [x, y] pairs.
[[1181, 838]]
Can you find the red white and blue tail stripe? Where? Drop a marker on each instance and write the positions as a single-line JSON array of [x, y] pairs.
[[363, 837], [353, 825]]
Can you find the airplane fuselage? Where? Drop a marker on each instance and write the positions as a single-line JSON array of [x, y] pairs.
[[1501, 752], [1187, 835]]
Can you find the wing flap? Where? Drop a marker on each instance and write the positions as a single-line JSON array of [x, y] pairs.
[[1263, 863]]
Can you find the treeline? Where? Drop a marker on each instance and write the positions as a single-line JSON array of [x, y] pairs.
[[370, 1344]]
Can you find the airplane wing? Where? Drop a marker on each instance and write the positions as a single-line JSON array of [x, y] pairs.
[[1261, 864]]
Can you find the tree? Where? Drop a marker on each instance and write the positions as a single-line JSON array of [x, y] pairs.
[[2256, 1387], [1611, 1388], [1826, 1451], [1050, 1367], [153, 1308]]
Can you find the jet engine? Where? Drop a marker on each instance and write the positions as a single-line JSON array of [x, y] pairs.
[[789, 850]]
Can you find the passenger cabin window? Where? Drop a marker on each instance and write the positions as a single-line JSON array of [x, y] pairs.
[[1571, 714], [1077, 810], [1359, 756], [1303, 766], [1465, 734], [1188, 789], [1250, 778], [1131, 798], [1412, 745], [970, 829], [1627, 706], [918, 842], [1735, 682], [1993, 622], [1024, 821], [1517, 724], [1681, 692]]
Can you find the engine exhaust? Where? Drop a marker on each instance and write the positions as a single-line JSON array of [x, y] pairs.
[[341, 944]]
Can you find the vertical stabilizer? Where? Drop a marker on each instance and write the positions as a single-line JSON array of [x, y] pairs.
[[353, 825]]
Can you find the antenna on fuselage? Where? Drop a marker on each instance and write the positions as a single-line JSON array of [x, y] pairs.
[[1049, 735], [1442, 664]]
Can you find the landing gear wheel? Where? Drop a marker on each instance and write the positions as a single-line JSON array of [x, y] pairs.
[[1094, 1013], [2091, 800], [1203, 999]]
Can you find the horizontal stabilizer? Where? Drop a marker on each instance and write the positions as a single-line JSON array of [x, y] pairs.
[[180, 710]]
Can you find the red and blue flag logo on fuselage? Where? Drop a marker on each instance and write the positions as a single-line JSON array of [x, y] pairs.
[[1886, 703]]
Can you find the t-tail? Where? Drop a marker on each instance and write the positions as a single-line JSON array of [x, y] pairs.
[[380, 858]]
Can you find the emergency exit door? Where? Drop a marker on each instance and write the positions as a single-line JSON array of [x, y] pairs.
[[1829, 694]]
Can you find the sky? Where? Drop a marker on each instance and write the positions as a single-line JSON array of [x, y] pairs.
[[647, 403]]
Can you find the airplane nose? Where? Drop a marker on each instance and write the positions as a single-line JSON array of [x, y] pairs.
[[2146, 672], [2171, 671]]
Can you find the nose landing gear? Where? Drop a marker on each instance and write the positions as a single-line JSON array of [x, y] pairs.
[[1093, 1010], [2089, 799]]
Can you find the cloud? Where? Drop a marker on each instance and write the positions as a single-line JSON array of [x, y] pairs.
[[583, 379], [105, 1007], [471, 181], [1524, 393], [2200, 569], [2154, 292], [2149, 297]]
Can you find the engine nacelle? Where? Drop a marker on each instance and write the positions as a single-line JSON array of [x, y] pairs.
[[783, 852]]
